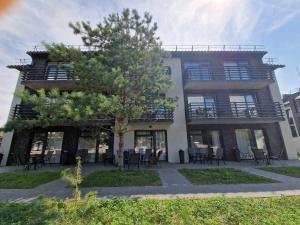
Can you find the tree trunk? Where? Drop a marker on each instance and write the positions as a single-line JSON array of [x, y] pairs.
[[121, 150]]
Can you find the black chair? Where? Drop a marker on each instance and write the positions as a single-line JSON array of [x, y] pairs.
[[125, 158], [192, 154], [202, 154], [147, 157], [158, 156], [134, 159], [108, 157], [259, 155], [219, 156], [276, 156], [210, 155], [48, 157]]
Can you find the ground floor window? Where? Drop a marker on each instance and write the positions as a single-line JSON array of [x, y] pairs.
[[47, 144], [91, 147], [247, 138], [205, 138], [156, 140]]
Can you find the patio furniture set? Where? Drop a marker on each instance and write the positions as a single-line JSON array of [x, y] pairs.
[[141, 156], [206, 155]]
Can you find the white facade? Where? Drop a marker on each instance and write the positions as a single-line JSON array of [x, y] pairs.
[[176, 131], [8, 136], [290, 144]]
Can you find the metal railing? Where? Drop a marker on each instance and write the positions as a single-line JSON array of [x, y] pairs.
[[200, 111], [207, 48], [229, 73], [173, 48], [158, 113], [24, 112], [44, 73]]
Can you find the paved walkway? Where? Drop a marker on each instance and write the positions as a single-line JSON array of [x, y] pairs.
[[174, 185]]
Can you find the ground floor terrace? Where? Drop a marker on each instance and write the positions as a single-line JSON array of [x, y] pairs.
[[60, 145], [247, 180]]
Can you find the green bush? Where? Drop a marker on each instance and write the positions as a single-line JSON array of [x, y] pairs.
[[280, 210]]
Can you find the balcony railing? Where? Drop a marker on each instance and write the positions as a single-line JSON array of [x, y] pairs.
[[229, 73], [24, 112], [158, 113], [41, 48], [200, 111], [44, 73]]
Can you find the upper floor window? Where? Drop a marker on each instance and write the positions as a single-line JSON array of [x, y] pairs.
[[197, 71], [203, 106], [236, 70], [243, 105], [168, 70], [55, 72], [297, 103]]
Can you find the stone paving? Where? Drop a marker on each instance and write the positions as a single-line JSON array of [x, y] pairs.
[[174, 185]]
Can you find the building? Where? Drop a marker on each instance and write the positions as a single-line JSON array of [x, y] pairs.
[[291, 103], [228, 97]]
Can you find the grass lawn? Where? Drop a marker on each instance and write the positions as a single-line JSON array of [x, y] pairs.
[[115, 178], [279, 211], [222, 176], [292, 171], [25, 180]]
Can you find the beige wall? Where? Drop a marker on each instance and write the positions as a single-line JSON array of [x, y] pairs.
[[7, 139], [176, 131], [288, 139]]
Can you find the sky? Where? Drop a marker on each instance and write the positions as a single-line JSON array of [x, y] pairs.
[[272, 23]]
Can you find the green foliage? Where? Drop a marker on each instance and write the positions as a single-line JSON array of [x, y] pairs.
[[293, 171], [222, 176], [25, 180], [117, 178], [118, 78], [74, 179], [217, 211]]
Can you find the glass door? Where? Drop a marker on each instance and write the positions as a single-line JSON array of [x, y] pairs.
[[54, 143], [260, 140], [160, 144], [155, 140], [243, 139]]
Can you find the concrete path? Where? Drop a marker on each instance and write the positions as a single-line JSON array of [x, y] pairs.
[[174, 185]]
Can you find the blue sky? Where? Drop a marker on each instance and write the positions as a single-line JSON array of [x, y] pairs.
[[273, 23]]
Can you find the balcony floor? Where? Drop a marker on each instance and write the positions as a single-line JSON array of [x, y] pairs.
[[50, 84], [225, 84]]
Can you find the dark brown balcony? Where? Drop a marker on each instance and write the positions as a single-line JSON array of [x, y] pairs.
[[47, 78], [237, 112], [228, 78], [157, 114]]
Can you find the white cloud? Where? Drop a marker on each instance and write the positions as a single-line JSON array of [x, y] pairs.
[[180, 22]]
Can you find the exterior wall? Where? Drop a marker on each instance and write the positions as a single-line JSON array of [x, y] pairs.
[[289, 143], [272, 133], [176, 131], [8, 137]]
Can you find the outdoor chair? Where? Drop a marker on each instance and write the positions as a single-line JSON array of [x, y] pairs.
[[134, 159], [125, 158], [276, 156], [157, 157], [192, 154], [210, 155], [259, 155], [83, 154], [108, 157], [147, 156], [219, 156], [242, 155], [202, 154], [48, 157]]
